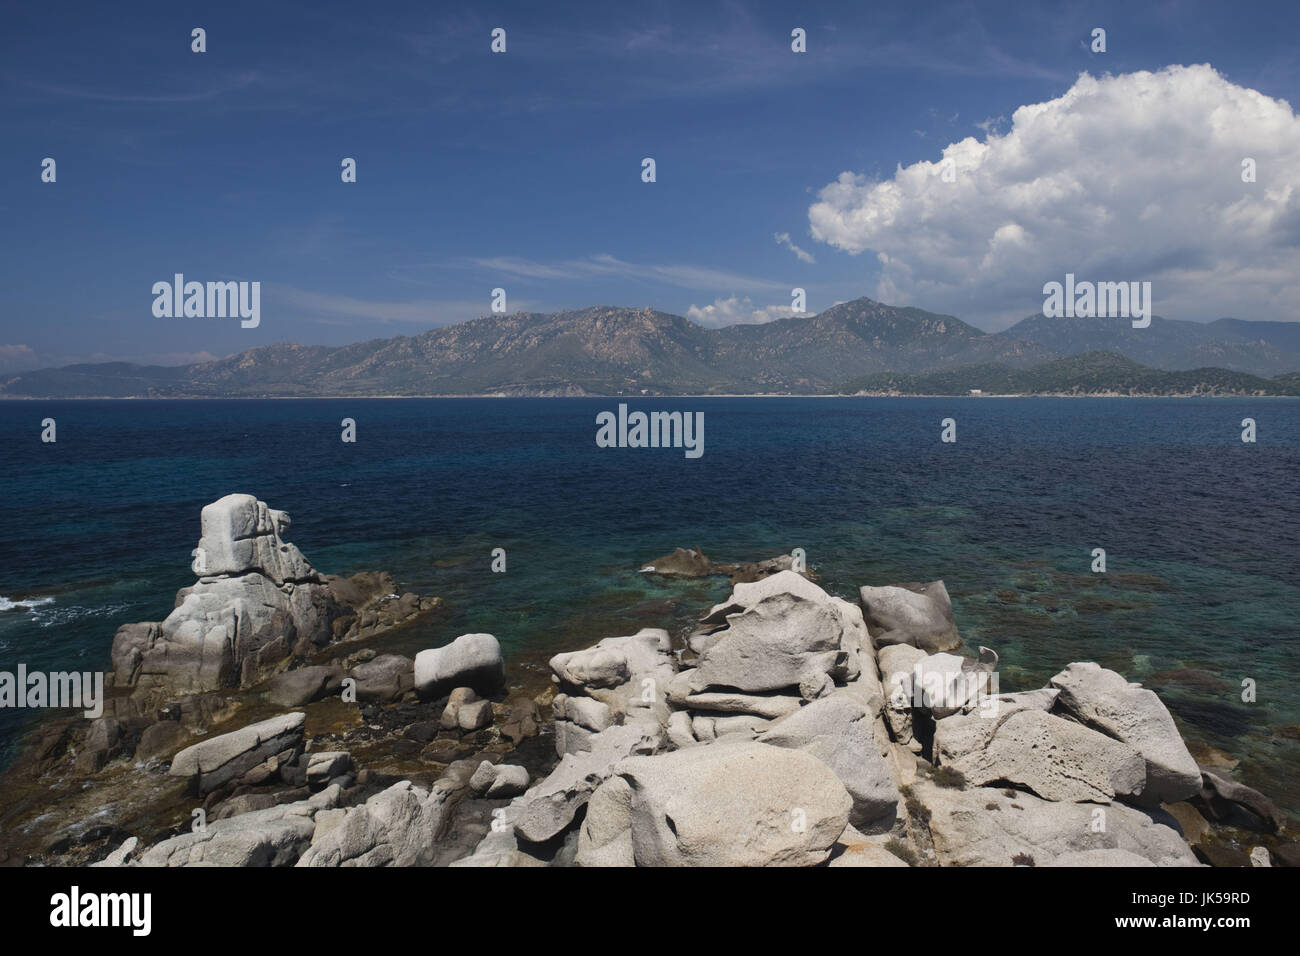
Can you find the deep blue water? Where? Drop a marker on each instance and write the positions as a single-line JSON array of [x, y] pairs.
[[1202, 532]]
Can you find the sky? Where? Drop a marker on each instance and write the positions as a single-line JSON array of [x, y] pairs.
[[522, 170]]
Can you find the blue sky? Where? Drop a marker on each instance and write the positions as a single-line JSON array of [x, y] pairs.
[[522, 170]]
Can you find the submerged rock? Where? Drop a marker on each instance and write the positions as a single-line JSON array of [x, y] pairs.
[[682, 563]]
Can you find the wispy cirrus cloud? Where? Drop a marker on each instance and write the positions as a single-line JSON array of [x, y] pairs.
[[783, 239], [683, 276], [330, 308], [234, 83]]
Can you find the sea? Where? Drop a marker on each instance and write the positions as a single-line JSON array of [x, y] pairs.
[[1201, 531]]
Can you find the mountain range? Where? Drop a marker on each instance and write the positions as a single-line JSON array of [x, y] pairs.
[[861, 345]]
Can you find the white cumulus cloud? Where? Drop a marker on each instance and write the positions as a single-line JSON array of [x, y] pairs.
[[736, 311], [1130, 177]]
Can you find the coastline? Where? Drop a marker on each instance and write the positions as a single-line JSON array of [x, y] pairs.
[[458, 734]]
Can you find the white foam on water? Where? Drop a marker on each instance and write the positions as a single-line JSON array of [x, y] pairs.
[[25, 604]]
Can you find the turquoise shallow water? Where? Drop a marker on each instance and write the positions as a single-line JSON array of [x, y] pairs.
[[1202, 532]]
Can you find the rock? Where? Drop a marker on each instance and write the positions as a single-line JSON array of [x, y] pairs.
[[1100, 858], [577, 720], [734, 804], [210, 764], [500, 846], [838, 731], [570, 738], [362, 589], [915, 614], [1286, 854], [160, 739], [1220, 856], [397, 827], [680, 564], [304, 685], [522, 720], [945, 684], [1042, 699], [982, 826], [896, 663], [815, 686], [1107, 702], [475, 716], [384, 679], [471, 660], [679, 729], [853, 849], [256, 599], [90, 762], [1195, 828], [1224, 799], [629, 674], [244, 803], [747, 595], [496, 781], [770, 706], [605, 838], [1259, 857], [1055, 758], [774, 644], [450, 719], [121, 855], [549, 806], [583, 711], [241, 534], [758, 570], [272, 837], [324, 766]]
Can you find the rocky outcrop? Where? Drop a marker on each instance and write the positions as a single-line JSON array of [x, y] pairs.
[[304, 685], [682, 563], [792, 729], [775, 634], [1128, 712], [549, 807], [730, 804], [276, 836], [384, 678], [398, 827], [257, 606], [498, 780], [1226, 800], [256, 598], [839, 732], [471, 660], [984, 826], [1056, 759], [915, 614], [258, 748]]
